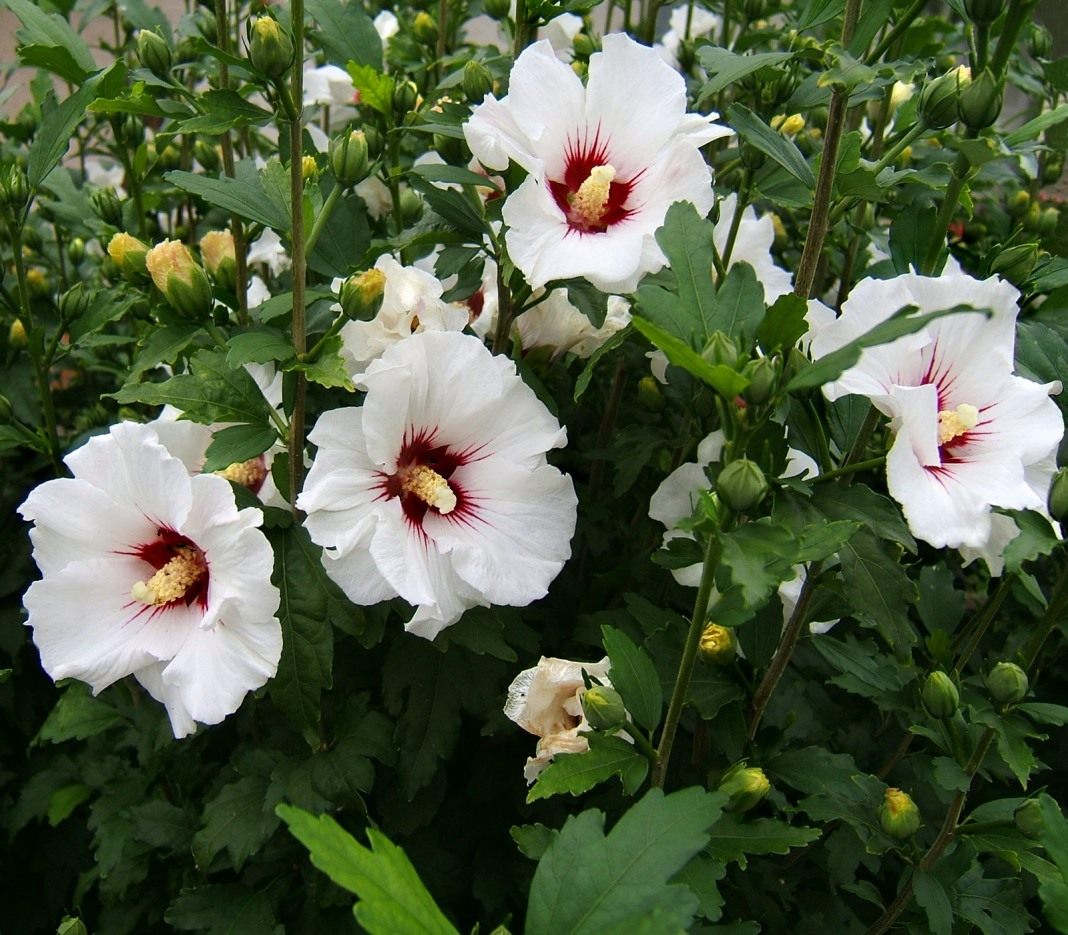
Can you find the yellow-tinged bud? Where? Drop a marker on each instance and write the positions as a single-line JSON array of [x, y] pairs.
[[16, 334], [718, 644], [742, 485], [938, 99], [129, 255], [361, 295], [1019, 203], [788, 126], [584, 45], [309, 168], [220, 257], [37, 281], [271, 49], [898, 815], [940, 696], [746, 785], [180, 278], [154, 53], [76, 251], [603, 708], [1007, 683], [649, 395], [425, 28], [349, 158]]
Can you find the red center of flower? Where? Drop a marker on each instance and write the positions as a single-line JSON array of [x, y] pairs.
[[181, 571], [250, 474], [423, 479], [591, 194]]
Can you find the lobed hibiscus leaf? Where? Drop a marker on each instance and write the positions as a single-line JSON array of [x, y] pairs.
[[757, 557], [784, 324], [727, 382], [575, 773], [244, 194], [634, 677], [238, 443], [376, 89], [229, 908], [725, 67], [391, 899], [876, 583], [701, 875], [739, 307], [235, 820], [863, 670], [346, 33], [733, 839], [931, 896], [1036, 538], [589, 882], [50, 31], [77, 716]]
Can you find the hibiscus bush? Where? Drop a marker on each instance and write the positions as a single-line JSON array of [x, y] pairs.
[[549, 468]]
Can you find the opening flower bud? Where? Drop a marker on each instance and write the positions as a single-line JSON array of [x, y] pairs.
[[180, 278], [309, 169], [361, 295], [603, 708], [270, 50], [718, 644], [478, 81], [898, 815], [1007, 683], [129, 255], [980, 101], [746, 785], [1016, 263], [742, 485], [154, 53], [349, 158], [220, 258], [1039, 41], [1058, 496], [1028, 819], [940, 696], [938, 99]]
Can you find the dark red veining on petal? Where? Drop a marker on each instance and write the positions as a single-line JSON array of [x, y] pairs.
[[581, 157], [160, 551]]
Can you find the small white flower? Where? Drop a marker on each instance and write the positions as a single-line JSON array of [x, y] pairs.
[[376, 195], [148, 571], [328, 85], [560, 32], [386, 25], [546, 701], [701, 23], [604, 161], [437, 489], [268, 249]]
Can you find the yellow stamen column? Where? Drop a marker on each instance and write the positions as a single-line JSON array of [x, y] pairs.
[[172, 581], [591, 199]]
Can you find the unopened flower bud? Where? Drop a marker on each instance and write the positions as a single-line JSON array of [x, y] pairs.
[[348, 158], [271, 49], [1007, 683], [1032, 218], [1048, 221], [361, 295], [742, 485], [106, 204], [898, 815], [984, 12], [1018, 204], [940, 696], [1052, 167], [76, 251], [405, 94], [37, 281], [180, 278], [720, 349], [583, 45], [220, 257], [751, 157], [746, 785], [411, 207], [14, 187], [129, 255], [980, 101], [938, 99], [1058, 496], [788, 126], [478, 81], [687, 55], [309, 169], [170, 157], [763, 374], [74, 303], [208, 155], [649, 396], [718, 644], [154, 53], [603, 708], [1028, 819], [425, 28], [1039, 41], [16, 334], [1015, 263]]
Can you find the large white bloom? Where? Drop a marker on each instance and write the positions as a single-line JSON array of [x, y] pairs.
[[328, 85], [752, 245], [154, 573], [969, 435], [605, 161], [437, 489], [546, 701]]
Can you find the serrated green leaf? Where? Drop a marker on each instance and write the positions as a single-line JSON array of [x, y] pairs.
[[162, 346], [725, 67], [391, 899], [879, 588], [53, 32], [1045, 713], [77, 716], [346, 33], [862, 669], [728, 383], [739, 307], [701, 875], [454, 175], [1036, 538], [222, 909], [65, 800], [328, 368], [163, 825], [634, 676], [237, 444], [932, 898], [732, 839], [822, 540], [376, 89], [532, 840], [243, 195], [950, 775], [258, 347], [1012, 733], [771, 143], [862, 504], [589, 883], [223, 110], [783, 324], [575, 773], [759, 556], [583, 380], [235, 820]]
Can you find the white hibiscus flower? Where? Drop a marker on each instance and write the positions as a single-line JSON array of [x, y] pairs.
[[687, 21], [329, 85], [605, 161], [437, 489], [154, 573], [546, 701]]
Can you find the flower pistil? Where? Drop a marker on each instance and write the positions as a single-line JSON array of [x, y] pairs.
[[429, 486]]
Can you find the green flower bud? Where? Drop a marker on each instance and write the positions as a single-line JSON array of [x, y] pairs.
[[154, 53], [746, 785], [763, 376], [938, 99], [1039, 41], [718, 644], [940, 696], [1052, 167], [6, 412], [984, 12], [74, 303], [129, 255], [38, 283], [170, 157], [1007, 683], [204, 21], [450, 148], [649, 396], [374, 142], [478, 81], [405, 94], [208, 155], [1048, 221], [583, 45], [898, 815], [752, 158], [1018, 204], [31, 239], [1031, 217], [1028, 819], [742, 485], [720, 349], [1015, 263], [687, 55], [980, 101], [755, 9], [425, 28], [271, 49], [106, 204], [497, 9], [1057, 500], [76, 251], [361, 295], [181, 279], [14, 187], [131, 131], [603, 708], [220, 257], [411, 207], [348, 158]]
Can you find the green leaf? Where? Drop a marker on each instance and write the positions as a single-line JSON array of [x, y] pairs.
[[163, 825], [878, 587], [77, 716], [309, 603], [862, 669], [236, 444], [701, 875], [212, 392], [224, 110], [532, 840], [222, 909], [1031, 130], [728, 383], [392, 900], [589, 883], [259, 347], [725, 67], [821, 540], [610, 345], [759, 556], [376, 89], [1035, 539], [910, 235], [634, 676], [733, 839], [454, 175], [575, 773], [344, 239], [234, 820], [162, 346], [65, 800], [328, 369], [1012, 733], [783, 324], [243, 195], [53, 32], [771, 143], [346, 33], [857, 502], [1045, 713], [458, 208], [588, 299], [932, 898], [739, 307]]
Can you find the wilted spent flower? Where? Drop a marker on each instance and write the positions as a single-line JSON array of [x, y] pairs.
[[718, 644], [129, 255], [154, 53], [746, 785], [940, 696], [898, 815], [349, 157], [1007, 683], [220, 257], [180, 278], [271, 49], [603, 708], [361, 295]]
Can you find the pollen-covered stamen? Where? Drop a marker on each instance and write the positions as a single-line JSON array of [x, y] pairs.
[[590, 202], [429, 486], [174, 579], [251, 473], [952, 423]]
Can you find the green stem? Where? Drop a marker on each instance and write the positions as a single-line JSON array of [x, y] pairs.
[[322, 218], [1010, 31], [649, 21], [980, 623], [736, 221], [522, 29], [946, 212], [640, 740], [689, 655], [900, 27], [443, 21], [504, 311], [332, 331], [849, 469], [982, 47]]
